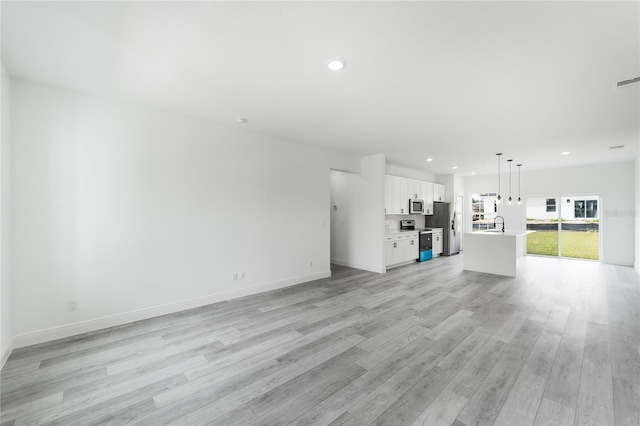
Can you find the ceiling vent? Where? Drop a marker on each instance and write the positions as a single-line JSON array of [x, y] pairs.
[[631, 81], [616, 147]]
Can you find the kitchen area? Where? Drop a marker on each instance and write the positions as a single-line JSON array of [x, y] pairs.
[[419, 224], [387, 216]]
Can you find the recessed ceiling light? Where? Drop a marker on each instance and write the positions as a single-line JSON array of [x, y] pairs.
[[242, 120], [473, 173], [429, 159], [336, 64], [454, 167], [565, 153]]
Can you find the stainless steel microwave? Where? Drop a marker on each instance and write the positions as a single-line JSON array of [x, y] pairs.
[[416, 206]]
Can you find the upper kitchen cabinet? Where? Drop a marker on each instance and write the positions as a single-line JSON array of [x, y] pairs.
[[428, 198], [438, 192], [388, 194], [396, 195], [414, 188], [398, 191]]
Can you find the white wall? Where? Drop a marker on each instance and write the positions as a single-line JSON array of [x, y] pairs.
[[613, 182], [537, 208], [357, 216], [6, 331], [637, 216], [453, 186], [134, 212], [392, 169]]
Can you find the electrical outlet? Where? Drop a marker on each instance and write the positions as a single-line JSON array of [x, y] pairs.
[[242, 275], [235, 276], [73, 305]]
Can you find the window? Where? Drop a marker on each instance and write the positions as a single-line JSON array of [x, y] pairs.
[[551, 205], [477, 204], [585, 209], [483, 208]]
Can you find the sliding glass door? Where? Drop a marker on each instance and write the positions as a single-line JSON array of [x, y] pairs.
[[580, 227], [566, 226], [543, 216]]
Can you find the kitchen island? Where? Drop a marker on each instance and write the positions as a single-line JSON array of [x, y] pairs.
[[494, 251]]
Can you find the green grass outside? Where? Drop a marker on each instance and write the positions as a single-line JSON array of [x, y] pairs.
[[576, 244]]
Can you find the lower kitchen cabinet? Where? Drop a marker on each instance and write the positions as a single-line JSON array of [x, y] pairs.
[[401, 248], [437, 243]]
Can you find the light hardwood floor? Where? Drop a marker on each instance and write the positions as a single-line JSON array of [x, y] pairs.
[[423, 344]]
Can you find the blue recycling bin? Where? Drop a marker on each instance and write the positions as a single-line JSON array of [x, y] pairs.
[[426, 255]]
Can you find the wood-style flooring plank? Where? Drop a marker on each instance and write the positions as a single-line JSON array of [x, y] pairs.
[[442, 411], [521, 406], [551, 413], [595, 395], [564, 380], [626, 402]]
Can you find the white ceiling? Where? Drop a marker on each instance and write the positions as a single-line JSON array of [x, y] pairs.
[[455, 81]]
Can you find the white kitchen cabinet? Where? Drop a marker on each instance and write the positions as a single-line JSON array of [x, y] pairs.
[[403, 199], [393, 205], [396, 193], [437, 243], [428, 199], [414, 189], [401, 248], [388, 194], [438, 192], [389, 250], [413, 248]]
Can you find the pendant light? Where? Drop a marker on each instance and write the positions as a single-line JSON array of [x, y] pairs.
[[510, 161], [519, 200], [499, 197]]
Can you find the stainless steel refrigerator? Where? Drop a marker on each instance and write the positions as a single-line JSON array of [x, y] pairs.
[[448, 217]]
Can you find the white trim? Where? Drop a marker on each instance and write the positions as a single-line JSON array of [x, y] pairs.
[[395, 265], [68, 330], [6, 354], [364, 267]]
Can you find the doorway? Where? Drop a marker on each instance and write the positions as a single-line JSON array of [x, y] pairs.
[[565, 226]]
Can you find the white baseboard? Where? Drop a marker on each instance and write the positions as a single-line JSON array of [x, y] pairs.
[[6, 354], [68, 330], [364, 267]]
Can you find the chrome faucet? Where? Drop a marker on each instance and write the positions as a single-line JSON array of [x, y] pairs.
[[494, 222]]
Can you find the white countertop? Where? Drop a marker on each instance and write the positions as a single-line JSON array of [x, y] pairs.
[[509, 232], [400, 231], [403, 231]]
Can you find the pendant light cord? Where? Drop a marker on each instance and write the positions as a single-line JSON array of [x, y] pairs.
[[519, 180], [510, 161], [499, 154]]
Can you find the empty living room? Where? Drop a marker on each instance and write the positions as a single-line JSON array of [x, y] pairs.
[[256, 213]]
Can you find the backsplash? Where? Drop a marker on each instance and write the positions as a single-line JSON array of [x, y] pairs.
[[392, 221]]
